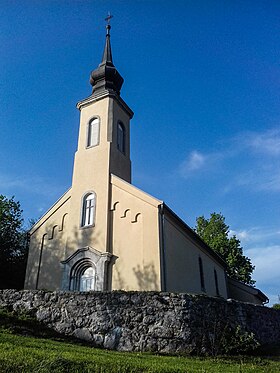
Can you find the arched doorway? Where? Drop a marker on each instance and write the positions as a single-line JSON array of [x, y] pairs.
[[86, 269]]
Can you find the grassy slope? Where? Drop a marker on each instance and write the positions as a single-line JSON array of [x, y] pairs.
[[19, 353]]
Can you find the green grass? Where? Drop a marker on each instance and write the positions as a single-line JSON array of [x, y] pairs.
[[29, 354], [21, 353]]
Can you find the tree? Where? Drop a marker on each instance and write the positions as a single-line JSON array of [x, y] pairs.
[[13, 244], [276, 306], [215, 233]]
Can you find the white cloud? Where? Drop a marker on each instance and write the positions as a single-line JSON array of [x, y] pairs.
[[197, 161], [270, 182], [257, 178], [255, 235], [241, 162], [241, 235], [258, 174], [267, 262], [265, 257], [35, 185], [267, 142]]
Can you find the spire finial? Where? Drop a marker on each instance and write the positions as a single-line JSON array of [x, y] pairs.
[[108, 26], [107, 54], [106, 77]]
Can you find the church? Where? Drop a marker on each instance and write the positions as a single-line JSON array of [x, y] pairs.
[[105, 234]]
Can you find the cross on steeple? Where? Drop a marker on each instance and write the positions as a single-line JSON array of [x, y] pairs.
[[108, 26], [108, 18]]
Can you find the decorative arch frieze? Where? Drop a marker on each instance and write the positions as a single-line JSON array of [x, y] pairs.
[[63, 222], [114, 205], [52, 232], [124, 215], [136, 218]]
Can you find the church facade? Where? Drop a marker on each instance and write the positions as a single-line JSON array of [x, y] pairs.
[[106, 234]]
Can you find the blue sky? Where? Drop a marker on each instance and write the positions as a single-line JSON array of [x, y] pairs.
[[203, 80]]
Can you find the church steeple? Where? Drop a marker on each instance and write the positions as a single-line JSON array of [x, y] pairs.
[[106, 77]]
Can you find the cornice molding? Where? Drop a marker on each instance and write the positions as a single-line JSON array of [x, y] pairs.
[[106, 93]]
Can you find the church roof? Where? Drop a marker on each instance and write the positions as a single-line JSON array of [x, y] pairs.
[[106, 77]]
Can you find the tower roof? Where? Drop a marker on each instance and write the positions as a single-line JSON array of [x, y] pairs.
[[106, 77]]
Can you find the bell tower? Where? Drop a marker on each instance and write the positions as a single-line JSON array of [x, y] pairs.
[[103, 149]]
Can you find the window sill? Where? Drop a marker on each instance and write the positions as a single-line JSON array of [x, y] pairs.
[[91, 146], [87, 226]]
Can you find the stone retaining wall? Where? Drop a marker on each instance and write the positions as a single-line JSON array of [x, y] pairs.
[[145, 321]]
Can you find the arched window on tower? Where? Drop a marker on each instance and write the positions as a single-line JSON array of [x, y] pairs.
[[121, 138], [201, 273], [88, 210], [93, 132]]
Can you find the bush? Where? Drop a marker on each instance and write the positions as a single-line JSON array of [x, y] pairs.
[[240, 342], [224, 339]]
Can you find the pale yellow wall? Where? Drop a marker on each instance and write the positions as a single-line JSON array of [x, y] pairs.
[[92, 167], [135, 238], [182, 267], [48, 235], [90, 174]]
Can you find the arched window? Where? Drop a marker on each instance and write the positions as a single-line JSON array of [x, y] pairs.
[[121, 137], [88, 210], [87, 279], [202, 283], [93, 132], [216, 282], [83, 276]]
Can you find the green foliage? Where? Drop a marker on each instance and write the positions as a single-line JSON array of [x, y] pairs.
[[13, 244], [215, 233], [221, 338], [239, 341], [276, 306]]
